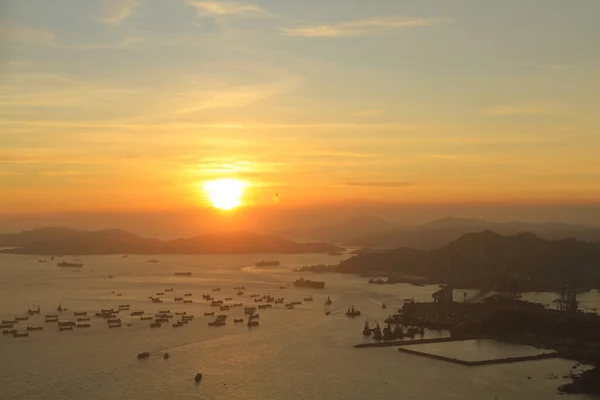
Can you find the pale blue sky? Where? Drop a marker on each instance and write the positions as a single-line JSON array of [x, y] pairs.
[[329, 100]]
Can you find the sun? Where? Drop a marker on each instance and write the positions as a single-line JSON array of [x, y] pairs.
[[225, 194]]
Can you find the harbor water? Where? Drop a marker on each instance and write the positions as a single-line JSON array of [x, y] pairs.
[[299, 353]]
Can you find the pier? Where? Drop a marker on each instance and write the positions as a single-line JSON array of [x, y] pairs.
[[505, 360], [419, 341]]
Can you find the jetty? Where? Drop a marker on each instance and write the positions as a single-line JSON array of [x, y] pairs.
[[505, 360], [419, 341]]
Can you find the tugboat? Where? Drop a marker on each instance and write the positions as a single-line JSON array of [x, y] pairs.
[[398, 332], [367, 329], [352, 312], [377, 332], [387, 333], [328, 302]]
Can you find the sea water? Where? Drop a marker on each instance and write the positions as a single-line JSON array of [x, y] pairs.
[[300, 353]]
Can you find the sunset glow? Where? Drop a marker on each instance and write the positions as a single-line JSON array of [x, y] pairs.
[[225, 194]]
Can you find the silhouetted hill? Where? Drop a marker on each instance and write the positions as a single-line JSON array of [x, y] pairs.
[[440, 232], [344, 230], [63, 241], [488, 260]]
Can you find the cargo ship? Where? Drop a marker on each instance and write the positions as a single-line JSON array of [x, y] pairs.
[[69, 264], [307, 283], [267, 264]]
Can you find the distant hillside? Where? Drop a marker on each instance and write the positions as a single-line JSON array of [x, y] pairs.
[[439, 233], [487, 260], [344, 230], [64, 241]]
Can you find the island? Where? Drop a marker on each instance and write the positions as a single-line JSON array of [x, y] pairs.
[[64, 241]]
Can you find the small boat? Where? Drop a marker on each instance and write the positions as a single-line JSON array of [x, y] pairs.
[[187, 294], [21, 334], [164, 311], [309, 298], [166, 356], [145, 318], [328, 302], [83, 319], [183, 273], [162, 320], [180, 313], [51, 319], [79, 313], [206, 314], [65, 328], [352, 312], [114, 325], [253, 323], [187, 317], [238, 320], [155, 325], [216, 289], [9, 321], [160, 293], [177, 325], [383, 306], [42, 261], [198, 377], [152, 261], [228, 298], [124, 256], [178, 299], [188, 301], [328, 312], [114, 321], [83, 326], [143, 355], [224, 308], [217, 323], [169, 290], [9, 332], [240, 293], [33, 312], [155, 300], [136, 313]]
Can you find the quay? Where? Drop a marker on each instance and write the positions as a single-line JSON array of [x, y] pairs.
[[420, 341], [505, 360]]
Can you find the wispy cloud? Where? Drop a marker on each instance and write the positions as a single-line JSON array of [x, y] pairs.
[[125, 43], [561, 67], [119, 10], [381, 184], [364, 27], [36, 37], [367, 113], [219, 8], [520, 110]]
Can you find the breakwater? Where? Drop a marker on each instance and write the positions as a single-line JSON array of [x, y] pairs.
[[505, 360]]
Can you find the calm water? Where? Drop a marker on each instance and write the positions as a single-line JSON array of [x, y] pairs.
[[294, 354]]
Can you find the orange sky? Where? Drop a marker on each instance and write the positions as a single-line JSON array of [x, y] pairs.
[[138, 106]]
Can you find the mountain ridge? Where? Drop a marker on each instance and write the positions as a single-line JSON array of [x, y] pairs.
[[67, 241]]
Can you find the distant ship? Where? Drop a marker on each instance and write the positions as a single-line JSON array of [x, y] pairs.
[[312, 284], [183, 273], [267, 264], [70, 265]]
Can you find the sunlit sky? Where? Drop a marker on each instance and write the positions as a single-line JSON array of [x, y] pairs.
[[133, 104]]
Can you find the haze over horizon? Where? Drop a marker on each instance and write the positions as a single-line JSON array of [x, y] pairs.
[[117, 113]]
